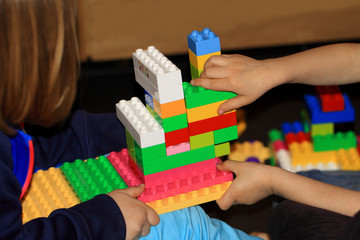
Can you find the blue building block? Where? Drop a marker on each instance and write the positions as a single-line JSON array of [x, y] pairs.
[[295, 127], [203, 42], [149, 99], [318, 116]]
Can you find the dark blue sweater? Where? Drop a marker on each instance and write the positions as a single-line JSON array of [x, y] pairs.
[[87, 135]]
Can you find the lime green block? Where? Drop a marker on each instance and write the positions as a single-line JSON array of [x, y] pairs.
[[195, 73], [222, 149], [130, 145], [154, 114], [199, 96], [322, 129], [225, 134], [202, 140], [179, 160], [92, 177]]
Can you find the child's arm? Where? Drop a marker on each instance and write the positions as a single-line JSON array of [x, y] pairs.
[[138, 216], [255, 181], [328, 65]]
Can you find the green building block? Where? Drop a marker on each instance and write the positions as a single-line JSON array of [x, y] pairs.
[[130, 145], [92, 177], [275, 134], [175, 123], [154, 114], [202, 140], [222, 149], [334, 141], [322, 129], [225, 134], [179, 160], [199, 96], [149, 153]]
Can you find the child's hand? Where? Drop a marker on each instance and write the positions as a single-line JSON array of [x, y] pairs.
[[138, 216], [247, 77], [252, 183]]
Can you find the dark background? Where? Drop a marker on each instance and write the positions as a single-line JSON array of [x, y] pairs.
[[102, 84]]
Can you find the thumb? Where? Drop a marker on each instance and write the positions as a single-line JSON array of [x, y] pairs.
[[232, 104], [134, 191], [227, 199]]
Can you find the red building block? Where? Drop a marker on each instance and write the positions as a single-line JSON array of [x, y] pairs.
[[331, 98], [177, 137], [212, 124]]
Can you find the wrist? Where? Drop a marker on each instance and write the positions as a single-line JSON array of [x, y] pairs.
[[278, 71]]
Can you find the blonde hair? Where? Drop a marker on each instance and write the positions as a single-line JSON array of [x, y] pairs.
[[39, 61]]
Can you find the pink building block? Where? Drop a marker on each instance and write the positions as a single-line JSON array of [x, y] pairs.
[[184, 185], [179, 148], [126, 167]]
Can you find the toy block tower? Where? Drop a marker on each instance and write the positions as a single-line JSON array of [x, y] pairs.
[[176, 138]]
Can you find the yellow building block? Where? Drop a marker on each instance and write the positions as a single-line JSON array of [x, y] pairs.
[[199, 61], [204, 112], [349, 160], [190, 198], [242, 151], [301, 148], [169, 109], [48, 191], [326, 160]]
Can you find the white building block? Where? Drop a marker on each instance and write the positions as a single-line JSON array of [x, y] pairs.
[[156, 68], [168, 94], [140, 123]]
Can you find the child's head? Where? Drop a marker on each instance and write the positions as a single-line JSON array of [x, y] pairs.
[[38, 61]]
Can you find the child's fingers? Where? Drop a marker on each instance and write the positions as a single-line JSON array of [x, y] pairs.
[[232, 104], [227, 199], [216, 60], [134, 191], [215, 72], [152, 216], [212, 84]]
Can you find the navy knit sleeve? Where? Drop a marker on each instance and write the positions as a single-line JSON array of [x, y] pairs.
[[87, 136]]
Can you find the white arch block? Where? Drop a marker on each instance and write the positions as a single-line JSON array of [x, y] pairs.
[[155, 67], [139, 122]]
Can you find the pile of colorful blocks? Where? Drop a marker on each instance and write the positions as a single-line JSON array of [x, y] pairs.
[[325, 137]]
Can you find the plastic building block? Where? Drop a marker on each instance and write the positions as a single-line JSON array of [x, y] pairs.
[[301, 147], [198, 96], [195, 73], [242, 151], [169, 109], [149, 153], [174, 123], [275, 134], [203, 112], [92, 177], [222, 149], [190, 170], [179, 148], [177, 137], [156, 68], [334, 142], [190, 199], [199, 61], [149, 100], [295, 127], [322, 129], [204, 42], [202, 140], [331, 98], [278, 144], [349, 160], [225, 134], [126, 168], [22, 151], [318, 116], [139, 122], [179, 160], [284, 159], [165, 95], [184, 185], [212, 124], [297, 137], [49, 190]]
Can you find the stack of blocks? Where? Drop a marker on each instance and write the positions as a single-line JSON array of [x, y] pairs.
[[320, 142], [176, 139], [173, 145]]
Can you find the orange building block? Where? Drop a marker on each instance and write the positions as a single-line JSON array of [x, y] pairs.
[[204, 112], [169, 109]]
